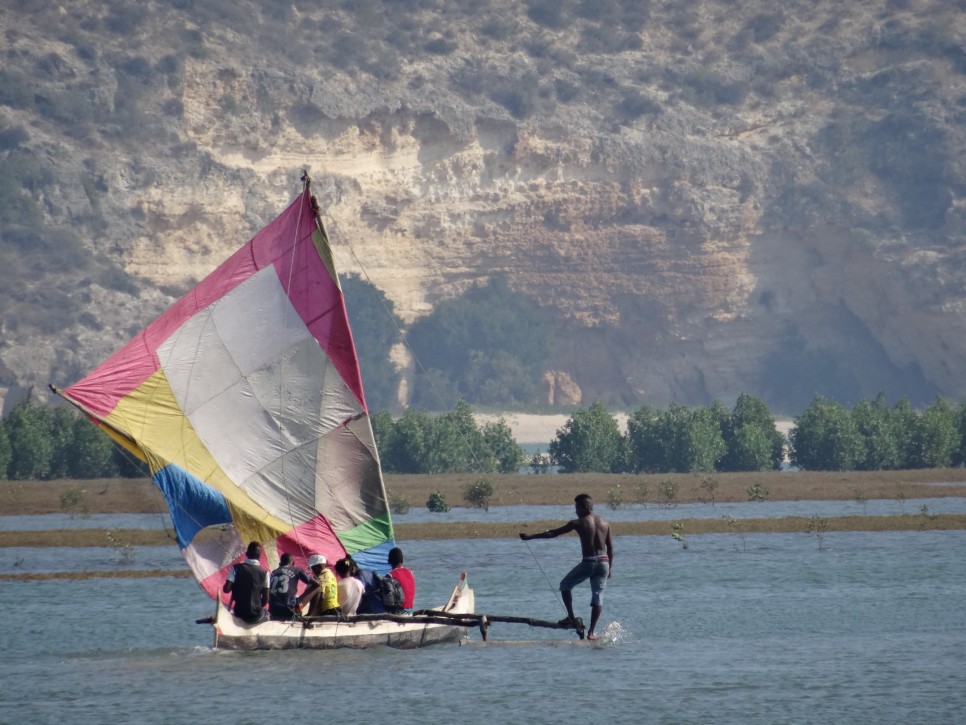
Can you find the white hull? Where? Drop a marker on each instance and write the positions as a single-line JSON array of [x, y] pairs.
[[233, 633]]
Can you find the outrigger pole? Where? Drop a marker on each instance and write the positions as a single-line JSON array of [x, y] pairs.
[[435, 616]]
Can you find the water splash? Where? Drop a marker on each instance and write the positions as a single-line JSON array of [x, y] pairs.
[[612, 634]]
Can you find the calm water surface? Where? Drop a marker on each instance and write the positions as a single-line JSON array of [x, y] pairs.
[[869, 628]]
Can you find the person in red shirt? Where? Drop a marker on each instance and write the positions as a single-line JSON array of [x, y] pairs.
[[404, 576]]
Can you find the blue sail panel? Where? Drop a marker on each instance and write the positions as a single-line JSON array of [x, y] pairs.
[[193, 505]]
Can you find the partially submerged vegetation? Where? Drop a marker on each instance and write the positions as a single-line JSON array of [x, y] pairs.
[[918, 521], [119, 496], [668, 490]]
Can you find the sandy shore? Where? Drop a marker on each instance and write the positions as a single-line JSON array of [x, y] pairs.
[[536, 429]]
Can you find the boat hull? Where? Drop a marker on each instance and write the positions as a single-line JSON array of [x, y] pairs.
[[233, 633]]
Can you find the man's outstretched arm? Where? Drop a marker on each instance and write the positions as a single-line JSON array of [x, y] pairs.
[[549, 533]]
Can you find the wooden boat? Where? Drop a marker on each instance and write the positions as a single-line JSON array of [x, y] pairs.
[[245, 400], [404, 631]]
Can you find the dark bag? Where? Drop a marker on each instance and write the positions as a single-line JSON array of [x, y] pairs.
[[390, 593]]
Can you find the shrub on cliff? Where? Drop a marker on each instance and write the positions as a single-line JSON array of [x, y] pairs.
[[490, 345]]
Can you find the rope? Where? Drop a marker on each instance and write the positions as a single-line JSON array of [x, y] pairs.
[[556, 592]]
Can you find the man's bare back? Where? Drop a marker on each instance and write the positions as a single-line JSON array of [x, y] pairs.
[[594, 533]]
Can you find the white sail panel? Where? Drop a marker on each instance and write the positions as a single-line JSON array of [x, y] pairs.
[[350, 490], [257, 322], [240, 333], [285, 487], [196, 363]]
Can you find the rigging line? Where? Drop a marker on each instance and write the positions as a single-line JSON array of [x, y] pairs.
[[405, 341], [537, 562]]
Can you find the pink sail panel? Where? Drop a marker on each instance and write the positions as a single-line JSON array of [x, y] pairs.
[[312, 288]]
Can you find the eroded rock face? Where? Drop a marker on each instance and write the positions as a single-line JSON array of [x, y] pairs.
[[762, 242], [561, 389]]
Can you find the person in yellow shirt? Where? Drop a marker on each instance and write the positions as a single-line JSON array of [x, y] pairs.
[[322, 599]]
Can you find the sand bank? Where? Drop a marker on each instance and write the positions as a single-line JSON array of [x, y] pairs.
[[541, 429]]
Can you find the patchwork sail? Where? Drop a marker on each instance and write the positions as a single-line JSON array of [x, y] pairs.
[[245, 400]]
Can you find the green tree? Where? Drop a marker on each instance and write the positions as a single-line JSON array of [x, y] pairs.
[[406, 449], [825, 438], [697, 440], [751, 439], [873, 421], [675, 439], [61, 425], [905, 423], [478, 493], [457, 445], [450, 443], [384, 431], [490, 343], [93, 452], [590, 441], [751, 449], [499, 440], [959, 454], [437, 502], [937, 436], [645, 445], [30, 444], [4, 450]]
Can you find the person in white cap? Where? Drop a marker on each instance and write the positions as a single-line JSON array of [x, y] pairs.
[[322, 598]]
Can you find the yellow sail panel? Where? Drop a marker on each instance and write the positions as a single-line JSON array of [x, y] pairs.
[[152, 417]]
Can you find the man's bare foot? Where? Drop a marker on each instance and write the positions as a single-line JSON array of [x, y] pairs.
[[567, 622], [591, 636]]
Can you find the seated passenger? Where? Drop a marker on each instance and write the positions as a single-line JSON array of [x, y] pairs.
[[350, 588], [404, 576], [321, 598], [247, 583], [283, 589], [371, 602]]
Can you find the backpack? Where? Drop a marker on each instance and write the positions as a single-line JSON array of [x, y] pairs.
[[390, 592]]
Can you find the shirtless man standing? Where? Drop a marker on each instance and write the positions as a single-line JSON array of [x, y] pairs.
[[597, 562]]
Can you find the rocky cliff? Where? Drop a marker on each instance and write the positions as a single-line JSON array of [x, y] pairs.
[[713, 198]]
